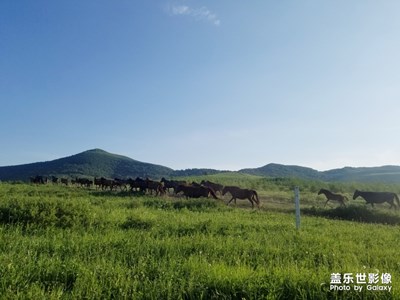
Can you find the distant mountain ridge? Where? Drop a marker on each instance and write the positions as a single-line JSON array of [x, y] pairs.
[[388, 174], [99, 163]]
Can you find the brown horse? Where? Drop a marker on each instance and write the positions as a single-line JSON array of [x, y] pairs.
[[38, 179], [215, 186], [239, 193], [334, 197], [378, 197], [64, 181], [137, 183], [157, 187], [103, 183], [195, 191], [172, 184]]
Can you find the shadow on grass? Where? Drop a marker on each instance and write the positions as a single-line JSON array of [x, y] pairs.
[[356, 213]]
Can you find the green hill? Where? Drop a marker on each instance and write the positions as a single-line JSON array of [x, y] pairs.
[[92, 163]]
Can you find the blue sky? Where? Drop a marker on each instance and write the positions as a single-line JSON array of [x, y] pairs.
[[188, 84]]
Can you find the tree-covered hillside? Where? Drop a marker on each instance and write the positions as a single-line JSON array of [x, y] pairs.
[[92, 163]]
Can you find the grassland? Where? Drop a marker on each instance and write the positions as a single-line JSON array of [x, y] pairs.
[[70, 243]]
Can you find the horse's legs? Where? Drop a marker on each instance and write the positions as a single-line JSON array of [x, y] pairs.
[[252, 203], [326, 202], [256, 200], [231, 201]]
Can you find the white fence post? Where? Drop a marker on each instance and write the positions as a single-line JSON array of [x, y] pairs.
[[297, 204]]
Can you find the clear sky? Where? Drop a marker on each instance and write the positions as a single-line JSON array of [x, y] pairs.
[[188, 84]]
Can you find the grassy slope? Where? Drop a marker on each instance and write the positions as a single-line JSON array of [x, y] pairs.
[[62, 242]]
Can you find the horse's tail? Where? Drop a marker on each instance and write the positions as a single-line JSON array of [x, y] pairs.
[[211, 191], [256, 197]]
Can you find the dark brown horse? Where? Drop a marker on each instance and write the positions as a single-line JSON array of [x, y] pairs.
[[172, 184], [378, 197], [103, 183], [38, 179], [137, 184], [215, 186], [64, 181], [195, 191], [334, 197], [157, 187], [239, 193], [83, 182]]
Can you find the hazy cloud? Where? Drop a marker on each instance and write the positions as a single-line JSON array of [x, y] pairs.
[[201, 14]]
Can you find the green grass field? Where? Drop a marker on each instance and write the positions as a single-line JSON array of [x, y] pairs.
[[70, 243]]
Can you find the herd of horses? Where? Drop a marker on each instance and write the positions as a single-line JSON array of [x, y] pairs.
[[206, 189], [189, 190]]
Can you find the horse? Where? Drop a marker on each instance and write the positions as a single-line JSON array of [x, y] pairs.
[[334, 197], [239, 193], [168, 184], [103, 183], [121, 183], [83, 182], [156, 186], [38, 179], [54, 179], [215, 186], [195, 191], [138, 183], [64, 181], [378, 197], [98, 182]]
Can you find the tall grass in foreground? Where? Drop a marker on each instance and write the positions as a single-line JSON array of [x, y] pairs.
[[58, 242]]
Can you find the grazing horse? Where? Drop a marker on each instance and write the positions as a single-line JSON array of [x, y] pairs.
[[334, 197], [215, 186], [378, 197], [195, 191], [239, 193]]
